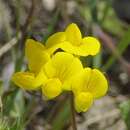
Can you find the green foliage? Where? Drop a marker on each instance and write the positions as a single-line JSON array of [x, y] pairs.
[[3, 125], [125, 112], [16, 125]]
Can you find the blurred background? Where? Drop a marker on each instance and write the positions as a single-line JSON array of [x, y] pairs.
[[108, 20]]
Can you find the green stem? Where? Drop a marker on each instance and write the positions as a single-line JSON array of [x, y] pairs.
[[73, 120]]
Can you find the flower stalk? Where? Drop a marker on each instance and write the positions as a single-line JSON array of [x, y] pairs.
[[73, 117]]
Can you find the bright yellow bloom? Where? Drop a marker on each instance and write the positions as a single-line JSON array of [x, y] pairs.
[[90, 83], [71, 41], [60, 71], [37, 57]]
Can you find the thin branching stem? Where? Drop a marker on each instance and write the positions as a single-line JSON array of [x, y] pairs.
[[28, 20]]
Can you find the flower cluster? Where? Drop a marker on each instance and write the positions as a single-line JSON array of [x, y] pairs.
[[54, 72]]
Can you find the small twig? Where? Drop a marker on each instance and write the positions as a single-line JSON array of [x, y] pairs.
[[110, 44], [73, 112], [1, 106], [24, 28], [108, 41], [29, 17], [5, 48]]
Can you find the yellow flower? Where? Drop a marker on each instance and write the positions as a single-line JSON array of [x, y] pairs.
[[60, 71], [37, 57], [88, 85], [71, 41], [54, 75], [63, 71]]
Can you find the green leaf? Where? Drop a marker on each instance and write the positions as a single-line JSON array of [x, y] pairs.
[[125, 112]]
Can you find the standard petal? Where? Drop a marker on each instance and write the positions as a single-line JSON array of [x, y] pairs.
[[84, 49], [52, 88], [97, 84], [89, 46], [29, 81], [83, 101], [36, 55], [90, 80], [73, 34], [64, 66]]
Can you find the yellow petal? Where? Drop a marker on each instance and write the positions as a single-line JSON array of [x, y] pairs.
[[89, 46], [64, 66], [83, 101], [97, 84], [80, 81], [29, 81], [73, 34], [68, 47], [90, 80], [54, 41], [36, 55], [73, 69], [52, 88], [49, 69]]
